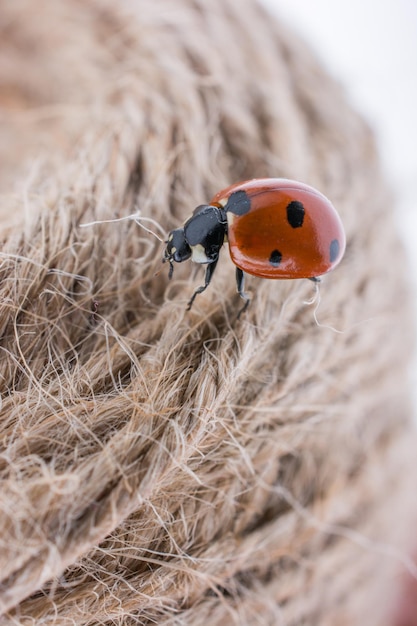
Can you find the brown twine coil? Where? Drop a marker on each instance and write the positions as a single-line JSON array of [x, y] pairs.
[[159, 466]]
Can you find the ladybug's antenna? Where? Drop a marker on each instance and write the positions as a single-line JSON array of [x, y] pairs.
[[167, 259], [171, 269]]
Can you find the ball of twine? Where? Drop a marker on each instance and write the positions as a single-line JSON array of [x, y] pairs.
[[173, 467]]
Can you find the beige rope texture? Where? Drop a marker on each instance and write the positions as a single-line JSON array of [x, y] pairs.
[[165, 467]]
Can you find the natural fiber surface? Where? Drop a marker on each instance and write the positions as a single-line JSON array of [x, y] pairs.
[[165, 467]]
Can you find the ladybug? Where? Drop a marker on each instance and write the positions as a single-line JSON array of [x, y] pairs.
[[275, 228]]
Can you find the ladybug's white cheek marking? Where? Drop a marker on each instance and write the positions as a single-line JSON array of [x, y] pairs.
[[198, 254], [230, 218], [223, 202]]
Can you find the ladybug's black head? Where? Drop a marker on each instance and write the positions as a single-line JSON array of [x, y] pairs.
[[200, 239], [177, 249]]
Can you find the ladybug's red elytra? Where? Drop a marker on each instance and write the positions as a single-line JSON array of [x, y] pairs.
[[275, 228]]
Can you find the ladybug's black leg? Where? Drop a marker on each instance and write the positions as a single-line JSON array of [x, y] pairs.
[[209, 273], [315, 279], [240, 285]]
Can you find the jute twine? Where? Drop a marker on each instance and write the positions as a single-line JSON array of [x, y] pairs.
[[160, 466]]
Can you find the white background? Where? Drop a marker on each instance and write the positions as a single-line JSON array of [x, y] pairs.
[[371, 47]]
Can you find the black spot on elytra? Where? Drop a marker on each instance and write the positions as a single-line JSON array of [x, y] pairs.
[[275, 258], [334, 250], [295, 214], [238, 203]]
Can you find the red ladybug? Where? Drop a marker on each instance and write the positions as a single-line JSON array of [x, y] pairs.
[[276, 228]]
